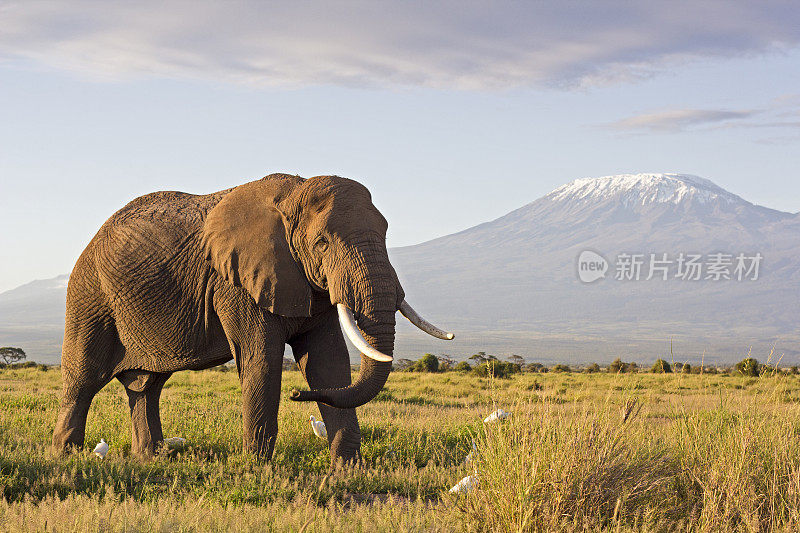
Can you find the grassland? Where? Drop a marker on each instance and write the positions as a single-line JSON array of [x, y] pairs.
[[595, 452]]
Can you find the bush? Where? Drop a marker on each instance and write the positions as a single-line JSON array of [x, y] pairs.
[[427, 363], [618, 366], [748, 367], [561, 368], [498, 369], [661, 367], [26, 364], [593, 368], [463, 366], [535, 367], [686, 368]]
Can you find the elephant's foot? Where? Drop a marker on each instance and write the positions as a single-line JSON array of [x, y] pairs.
[[260, 442], [345, 447], [70, 427]]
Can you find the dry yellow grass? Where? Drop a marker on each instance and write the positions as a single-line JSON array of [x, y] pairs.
[[597, 452]]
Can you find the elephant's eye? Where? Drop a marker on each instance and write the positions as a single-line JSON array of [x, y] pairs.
[[321, 245]]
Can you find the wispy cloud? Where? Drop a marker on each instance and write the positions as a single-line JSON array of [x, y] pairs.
[[781, 113], [451, 44], [680, 119]]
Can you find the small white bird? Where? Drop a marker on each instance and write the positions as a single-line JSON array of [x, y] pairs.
[[318, 426], [470, 456], [497, 415], [465, 485], [175, 441], [101, 449]]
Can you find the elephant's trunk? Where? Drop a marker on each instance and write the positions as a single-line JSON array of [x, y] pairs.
[[373, 374], [367, 287]]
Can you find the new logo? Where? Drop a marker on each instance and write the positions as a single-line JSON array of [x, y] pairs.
[[591, 266]]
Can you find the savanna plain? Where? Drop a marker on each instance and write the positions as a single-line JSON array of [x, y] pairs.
[[580, 452]]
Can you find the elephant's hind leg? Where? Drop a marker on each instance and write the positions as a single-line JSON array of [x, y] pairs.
[[83, 371], [144, 392], [70, 429]]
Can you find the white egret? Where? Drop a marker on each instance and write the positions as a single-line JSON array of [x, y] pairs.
[[466, 485], [318, 426], [175, 441], [101, 449], [497, 415]]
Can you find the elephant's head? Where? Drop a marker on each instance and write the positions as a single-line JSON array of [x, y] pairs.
[[283, 237]]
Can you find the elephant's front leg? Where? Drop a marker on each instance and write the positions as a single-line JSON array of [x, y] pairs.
[[323, 358], [261, 389]]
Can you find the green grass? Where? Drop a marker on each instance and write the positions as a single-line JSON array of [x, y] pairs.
[[596, 452]]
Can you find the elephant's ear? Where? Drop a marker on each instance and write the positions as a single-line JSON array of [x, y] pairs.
[[244, 238]]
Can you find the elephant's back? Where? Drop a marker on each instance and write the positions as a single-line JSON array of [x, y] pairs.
[[152, 272], [174, 206]]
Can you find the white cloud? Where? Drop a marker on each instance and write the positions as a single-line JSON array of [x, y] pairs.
[[680, 119], [467, 45]]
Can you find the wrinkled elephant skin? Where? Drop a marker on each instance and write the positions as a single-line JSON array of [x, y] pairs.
[[176, 281]]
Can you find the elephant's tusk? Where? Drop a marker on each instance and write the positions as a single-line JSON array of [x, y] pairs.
[[423, 324], [351, 330]]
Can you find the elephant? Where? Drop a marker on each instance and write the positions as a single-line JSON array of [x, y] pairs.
[[176, 281]]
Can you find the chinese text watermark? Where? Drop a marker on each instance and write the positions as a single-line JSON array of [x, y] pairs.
[[717, 266]]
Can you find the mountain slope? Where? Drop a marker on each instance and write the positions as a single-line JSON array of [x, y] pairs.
[[510, 285], [32, 317]]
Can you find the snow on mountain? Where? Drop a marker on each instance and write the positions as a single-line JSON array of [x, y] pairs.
[[633, 189]]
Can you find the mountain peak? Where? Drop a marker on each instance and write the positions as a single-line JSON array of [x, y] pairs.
[[646, 188]]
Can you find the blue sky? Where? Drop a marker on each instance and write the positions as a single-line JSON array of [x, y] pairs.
[[452, 114]]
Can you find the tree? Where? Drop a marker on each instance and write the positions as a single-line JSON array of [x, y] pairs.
[[479, 358], [12, 355], [686, 369], [517, 359], [661, 367], [427, 363], [748, 367], [561, 368], [535, 367], [403, 364], [445, 362]]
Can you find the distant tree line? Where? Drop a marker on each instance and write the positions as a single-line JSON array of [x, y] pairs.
[[484, 365]]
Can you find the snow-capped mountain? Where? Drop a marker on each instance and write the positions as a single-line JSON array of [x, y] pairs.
[[511, 285]]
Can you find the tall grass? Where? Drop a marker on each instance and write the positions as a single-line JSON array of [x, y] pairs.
[[595, 452], [599, 466]]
